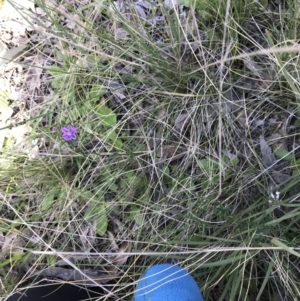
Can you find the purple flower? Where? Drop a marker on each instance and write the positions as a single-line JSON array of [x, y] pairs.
[[69, 133]]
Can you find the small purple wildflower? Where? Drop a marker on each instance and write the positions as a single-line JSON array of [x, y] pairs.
[[69, 133]]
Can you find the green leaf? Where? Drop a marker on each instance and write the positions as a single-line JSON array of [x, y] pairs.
[[208, 164], [11, 260], [297, 122], [97, 213], [58, 74], [204, 164], [96, 92], [106, 115], [283, 154], [231, 161], [234, 162], [55, 70], [190, 3], [48, 201], [113, 187], [113, 139], [284, 247], [186, 3], [101, 223], [208, 182], [4, 97], [136, 215], [56, 83], [7, 55]]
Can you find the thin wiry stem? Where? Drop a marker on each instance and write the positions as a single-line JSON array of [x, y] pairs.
[[198, 251]]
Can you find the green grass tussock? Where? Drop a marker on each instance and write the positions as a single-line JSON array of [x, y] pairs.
[[186, 146]]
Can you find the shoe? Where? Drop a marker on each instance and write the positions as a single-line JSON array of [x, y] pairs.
[[167, 282]]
